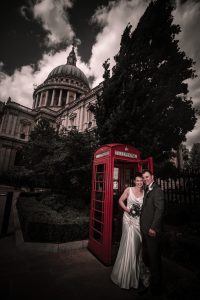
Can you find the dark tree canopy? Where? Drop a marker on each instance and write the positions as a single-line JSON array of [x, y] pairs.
[[144, 102], [59, 161], [41, 144]]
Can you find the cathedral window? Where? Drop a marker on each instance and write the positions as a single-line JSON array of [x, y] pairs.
[[24, 129]]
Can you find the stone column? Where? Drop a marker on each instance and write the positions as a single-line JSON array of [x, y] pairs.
[[60, 98], [46, 98], [5, 122], [35, 102], [40, 99], [2, 122], [14, 125], [9, 124], [67, 99], [83, 117], [2, 158], [52, 98], [79, 118]]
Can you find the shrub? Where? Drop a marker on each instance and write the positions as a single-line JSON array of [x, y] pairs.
[[41, 223]]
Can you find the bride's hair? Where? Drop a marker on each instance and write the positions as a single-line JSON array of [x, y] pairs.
[[137, 174]]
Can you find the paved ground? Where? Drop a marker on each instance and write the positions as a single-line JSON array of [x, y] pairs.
[[75, 275]]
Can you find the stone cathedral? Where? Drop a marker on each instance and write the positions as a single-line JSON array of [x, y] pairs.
[[64, 98]]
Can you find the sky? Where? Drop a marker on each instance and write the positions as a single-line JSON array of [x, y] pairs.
[[36, 36]]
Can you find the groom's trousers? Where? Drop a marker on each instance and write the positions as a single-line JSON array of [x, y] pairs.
[[152, 258]]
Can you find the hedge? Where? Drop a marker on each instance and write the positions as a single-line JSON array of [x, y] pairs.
[[41, 223]]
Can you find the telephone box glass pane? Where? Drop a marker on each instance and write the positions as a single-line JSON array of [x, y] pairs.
[[99, 196], [100, 168], [98, 205], [99, 177], [116, 179], [98, 215], [98, 226], [99, 186], [97, 236]]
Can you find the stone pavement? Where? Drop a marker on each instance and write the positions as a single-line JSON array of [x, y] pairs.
[[28, 272], [76, 274]]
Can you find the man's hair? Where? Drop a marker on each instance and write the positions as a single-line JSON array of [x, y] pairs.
[[148, 171]]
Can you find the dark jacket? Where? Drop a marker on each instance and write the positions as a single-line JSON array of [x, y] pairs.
[[152, 210]]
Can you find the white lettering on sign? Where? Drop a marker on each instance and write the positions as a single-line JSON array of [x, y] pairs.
[[126, 154], [102, 154]]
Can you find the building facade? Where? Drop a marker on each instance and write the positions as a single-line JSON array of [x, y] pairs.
[[64, 98]]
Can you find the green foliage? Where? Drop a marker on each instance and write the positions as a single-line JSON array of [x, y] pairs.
[[41, 144], [42, 223], [72, 163], [144, 102], [60, 162]]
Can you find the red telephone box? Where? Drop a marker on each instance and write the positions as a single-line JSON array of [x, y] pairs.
[[114, 166]]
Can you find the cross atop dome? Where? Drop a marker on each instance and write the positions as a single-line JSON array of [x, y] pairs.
[[71, 59]]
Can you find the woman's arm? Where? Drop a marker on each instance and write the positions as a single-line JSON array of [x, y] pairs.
[[123, 197]]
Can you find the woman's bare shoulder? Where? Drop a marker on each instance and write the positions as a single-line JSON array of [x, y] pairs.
[[127, 190]]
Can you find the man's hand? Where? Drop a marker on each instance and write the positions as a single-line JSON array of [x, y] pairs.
[[152, 232]]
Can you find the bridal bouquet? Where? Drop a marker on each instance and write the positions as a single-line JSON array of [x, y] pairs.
[[135, 210]]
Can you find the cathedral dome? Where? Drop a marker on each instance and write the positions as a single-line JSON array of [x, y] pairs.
[[63, 86], [69, 70]]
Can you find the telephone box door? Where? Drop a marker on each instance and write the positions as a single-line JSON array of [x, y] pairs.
[[114, 166]]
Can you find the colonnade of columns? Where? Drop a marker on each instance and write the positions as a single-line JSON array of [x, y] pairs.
[[38, 100]]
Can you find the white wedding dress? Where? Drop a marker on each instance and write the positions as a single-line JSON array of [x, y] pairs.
[[128, 267]]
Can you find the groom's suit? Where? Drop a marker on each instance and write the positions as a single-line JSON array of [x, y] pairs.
[[151, 217], [152, 210]]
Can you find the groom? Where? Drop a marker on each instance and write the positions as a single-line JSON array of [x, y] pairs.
[[151, 223]]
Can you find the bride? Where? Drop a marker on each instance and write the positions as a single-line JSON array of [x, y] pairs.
[[128, 267]]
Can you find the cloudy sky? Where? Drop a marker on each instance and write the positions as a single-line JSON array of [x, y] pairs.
[[36, 36]]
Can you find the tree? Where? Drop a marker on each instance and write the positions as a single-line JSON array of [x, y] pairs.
[[33, 157], [195, 156], [72, 163], [41, 144], [145, 102], [59, 161]]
